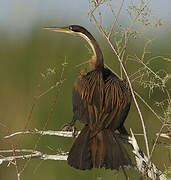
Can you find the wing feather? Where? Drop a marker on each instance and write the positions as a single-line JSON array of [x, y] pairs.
[[117, 102], [101, 102], [88, 92]]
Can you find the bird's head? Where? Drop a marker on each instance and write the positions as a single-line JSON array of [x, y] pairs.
[[72, 29], [80, 31]]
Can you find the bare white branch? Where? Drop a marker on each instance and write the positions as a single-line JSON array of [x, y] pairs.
[[49, 132], [142, 161], [32, 154]]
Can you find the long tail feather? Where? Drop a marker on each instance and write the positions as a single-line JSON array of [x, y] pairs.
[[102, 150]]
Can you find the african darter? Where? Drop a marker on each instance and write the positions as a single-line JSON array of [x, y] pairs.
[[101, 100]]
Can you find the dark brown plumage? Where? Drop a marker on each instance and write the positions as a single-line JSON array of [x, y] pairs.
[[101, 101]]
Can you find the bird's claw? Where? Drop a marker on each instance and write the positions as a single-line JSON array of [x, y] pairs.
[[69, 127]]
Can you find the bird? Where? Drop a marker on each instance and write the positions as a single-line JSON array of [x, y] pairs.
[[101, 101]]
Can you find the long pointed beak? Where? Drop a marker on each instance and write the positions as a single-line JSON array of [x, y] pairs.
[[57, 29]]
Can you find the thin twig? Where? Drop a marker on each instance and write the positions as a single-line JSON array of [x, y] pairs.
[[156, 140], [51, 111], [127, 33], [116, 18], [159, 117], [35, 101]]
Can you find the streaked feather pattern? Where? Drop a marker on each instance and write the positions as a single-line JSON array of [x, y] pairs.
[[102, 101], [104, 96]]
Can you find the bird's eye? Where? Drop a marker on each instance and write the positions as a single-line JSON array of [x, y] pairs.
[[70, 27]]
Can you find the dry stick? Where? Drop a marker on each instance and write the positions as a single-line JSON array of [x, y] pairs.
[[15, 164], [97, 5], [34, 154], [116, 18], [110, 6], [169, 97], [20, 151], [137, 72], [36, 98], [155, 143], [148, 106], [48, 90], [21, 138], [51, 112], [127, 33], [123, 138], [85, 62], [29, 116], [43, 133], [138, 77]]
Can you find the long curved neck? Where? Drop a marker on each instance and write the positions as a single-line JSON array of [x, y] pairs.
[[96, 62]]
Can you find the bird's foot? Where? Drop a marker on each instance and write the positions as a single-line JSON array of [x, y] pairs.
[[69, 127]]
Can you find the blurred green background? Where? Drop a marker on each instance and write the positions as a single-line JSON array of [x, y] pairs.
[[27, 51]]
